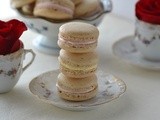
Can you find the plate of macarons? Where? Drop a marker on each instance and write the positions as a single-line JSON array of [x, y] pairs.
[[77, 84], [45, 85]]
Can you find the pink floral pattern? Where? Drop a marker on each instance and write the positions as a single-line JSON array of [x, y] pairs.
[[11, 73]]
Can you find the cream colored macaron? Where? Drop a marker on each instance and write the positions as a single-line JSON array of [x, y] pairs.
[[20, 3], [78, 65], [54, 9], [78, 37], [28, 9], [76, 2], [87, 8], [77, 89]]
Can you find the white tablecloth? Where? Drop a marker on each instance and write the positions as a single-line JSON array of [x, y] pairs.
[[139, 102]]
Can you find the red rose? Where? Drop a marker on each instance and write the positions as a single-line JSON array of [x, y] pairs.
[[148, 11], [10, 32]]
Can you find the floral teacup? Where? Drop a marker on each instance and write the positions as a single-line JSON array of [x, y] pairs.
[[147, 40], [11, 68]]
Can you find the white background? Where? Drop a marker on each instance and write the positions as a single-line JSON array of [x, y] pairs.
[[125, 8]]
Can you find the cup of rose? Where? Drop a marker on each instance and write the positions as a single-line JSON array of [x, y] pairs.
[[12, 54], [147, 29]]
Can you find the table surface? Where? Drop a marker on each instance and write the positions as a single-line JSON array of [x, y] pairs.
[[139, 102]]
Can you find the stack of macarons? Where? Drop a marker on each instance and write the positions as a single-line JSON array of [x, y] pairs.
[[78, 60], [58, 9]]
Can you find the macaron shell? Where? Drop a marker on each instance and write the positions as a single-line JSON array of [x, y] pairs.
[[80, 67], [28, 9], [78, 32], [47, 13], [77, 73], [20, 3], [87, 8], [76, 85], [77, 96], [54, 9], [64, 3], [76, 2], [82, 60]]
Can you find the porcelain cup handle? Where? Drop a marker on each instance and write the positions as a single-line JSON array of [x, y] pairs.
[[26, 51]]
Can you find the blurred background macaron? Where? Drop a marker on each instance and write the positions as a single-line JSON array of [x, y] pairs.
[[20, 3], [28, 9], [87, 8], [76, 2], [78, 65], [77, 89], [78, 37], [54, 9]]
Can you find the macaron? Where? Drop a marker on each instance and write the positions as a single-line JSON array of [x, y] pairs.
[[77, 89], [78, 65], [54, 9], [28, 9], [20, 3], [87, 8], [76, 2], [78, 37]]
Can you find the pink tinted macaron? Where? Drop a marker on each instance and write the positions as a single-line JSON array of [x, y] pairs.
[[78, 65], [78, 37], [77, 89], [54, 9]]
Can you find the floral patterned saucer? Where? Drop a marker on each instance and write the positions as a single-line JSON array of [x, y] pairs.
[[125, 49], [44, 87]]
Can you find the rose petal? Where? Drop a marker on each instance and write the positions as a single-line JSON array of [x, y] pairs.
[[4, 28], [18, 28], [3, 46], [148, 17], [16, 31], [9, 35], [17, 45], [148, 11]]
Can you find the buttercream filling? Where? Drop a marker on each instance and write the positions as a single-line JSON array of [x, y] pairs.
[[54, 6], [74, 63], [83, 68], [75, 90], [77, 42]]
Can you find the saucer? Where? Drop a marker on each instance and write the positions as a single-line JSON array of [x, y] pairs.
[[125, 49], [44, 87]]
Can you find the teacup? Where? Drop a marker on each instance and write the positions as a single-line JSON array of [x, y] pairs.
[[11, 68], [147, 40]]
